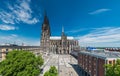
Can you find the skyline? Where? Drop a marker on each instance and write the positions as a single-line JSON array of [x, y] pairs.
[[93, 23]]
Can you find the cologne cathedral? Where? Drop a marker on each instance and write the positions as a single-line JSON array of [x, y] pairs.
[[56, 44]]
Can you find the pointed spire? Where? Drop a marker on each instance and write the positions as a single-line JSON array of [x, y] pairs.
[[63, 34], [45, 18], [62, 29]]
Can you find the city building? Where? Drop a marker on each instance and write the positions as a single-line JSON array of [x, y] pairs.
[[56, 44], [92, 62], [113, 49], [7, 48]]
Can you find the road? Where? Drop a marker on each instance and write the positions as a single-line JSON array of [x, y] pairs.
[[66, 65]]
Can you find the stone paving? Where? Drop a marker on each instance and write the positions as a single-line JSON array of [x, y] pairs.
[[67, 69], [64, 64]]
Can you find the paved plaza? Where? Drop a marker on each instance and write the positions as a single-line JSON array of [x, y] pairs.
[[66, 64]]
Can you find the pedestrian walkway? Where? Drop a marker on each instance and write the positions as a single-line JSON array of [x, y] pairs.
[[62, 63]]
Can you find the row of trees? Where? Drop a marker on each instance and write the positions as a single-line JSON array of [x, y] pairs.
[[24, 63], [21, 63]]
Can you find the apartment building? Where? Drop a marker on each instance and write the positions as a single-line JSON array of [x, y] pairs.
[[92, 62]]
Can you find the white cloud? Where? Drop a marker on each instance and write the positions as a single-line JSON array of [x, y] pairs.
[[14, 35], [13, 38], [7, 27], [7, 18], [75, 31], [19, 12], [99, 11], [107, 36]]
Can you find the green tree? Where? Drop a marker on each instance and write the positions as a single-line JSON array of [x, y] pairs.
[[47, 73], [113, 70], [21, 63], [52, 72]]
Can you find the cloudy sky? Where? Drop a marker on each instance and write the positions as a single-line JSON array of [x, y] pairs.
[[92, 22]]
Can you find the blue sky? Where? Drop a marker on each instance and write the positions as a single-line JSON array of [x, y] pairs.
[[92, 22]]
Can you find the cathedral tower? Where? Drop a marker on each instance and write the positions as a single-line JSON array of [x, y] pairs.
[[63, 39], [45, 36]]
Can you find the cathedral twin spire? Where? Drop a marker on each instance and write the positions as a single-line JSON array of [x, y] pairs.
[[45, 27], [46, 24], [46, 21]]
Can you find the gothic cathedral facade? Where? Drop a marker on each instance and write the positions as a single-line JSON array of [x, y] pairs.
[[56, 44]]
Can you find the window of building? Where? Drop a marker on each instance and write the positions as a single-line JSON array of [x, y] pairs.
[[110, 62], [113, 61], [89, 70]]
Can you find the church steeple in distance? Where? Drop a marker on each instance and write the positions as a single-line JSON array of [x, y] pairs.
[[63, 34], [62, 29]]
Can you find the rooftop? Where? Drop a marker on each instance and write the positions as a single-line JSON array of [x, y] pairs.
[[59, 38], [101, 53]]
